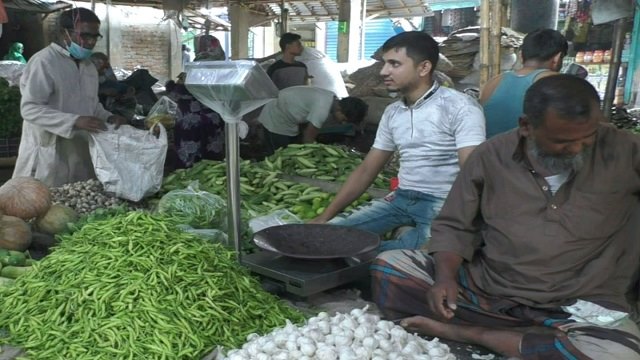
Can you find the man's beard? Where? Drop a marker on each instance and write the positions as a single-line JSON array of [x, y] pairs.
[[557, 164]]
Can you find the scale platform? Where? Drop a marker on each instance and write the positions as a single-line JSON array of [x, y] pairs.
[[305, 277]]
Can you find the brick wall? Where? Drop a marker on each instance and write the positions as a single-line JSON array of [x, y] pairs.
[[146, 46]]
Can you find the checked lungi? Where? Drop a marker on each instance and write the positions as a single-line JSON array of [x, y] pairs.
[[401, 279]]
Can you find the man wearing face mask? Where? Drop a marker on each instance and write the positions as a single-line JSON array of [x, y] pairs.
[[60, 104]]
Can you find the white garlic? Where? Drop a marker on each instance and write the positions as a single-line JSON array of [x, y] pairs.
[[323, 315], [341, 340], [398, 333], [326, 353], [329, 339], [308, 349], [280, 356], [384, 325], [386, 345], [361, 332], [370, 343], [316, 335], [291, 345], [356, 313], [304, 340], [436, 351], [362, 352], [269, 348], [324, 327], [348, 324], [347, 354]]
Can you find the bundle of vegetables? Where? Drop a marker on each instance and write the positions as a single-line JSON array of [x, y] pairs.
[[84, 196], [193, 207], [134, 287], [263, 190], [320, 161], [354, 336], [11, 123]]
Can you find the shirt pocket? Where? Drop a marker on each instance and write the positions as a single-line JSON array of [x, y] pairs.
[[589, 215]]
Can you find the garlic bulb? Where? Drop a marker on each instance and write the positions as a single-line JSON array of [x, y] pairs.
[[357, 335]]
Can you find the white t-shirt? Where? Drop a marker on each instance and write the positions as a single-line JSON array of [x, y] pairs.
[[296, 105], [428, 136]]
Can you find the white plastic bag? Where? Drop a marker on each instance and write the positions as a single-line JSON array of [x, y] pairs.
[[278, 217], [129, 162]]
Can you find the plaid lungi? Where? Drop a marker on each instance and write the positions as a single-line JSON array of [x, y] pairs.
[[401, 279]]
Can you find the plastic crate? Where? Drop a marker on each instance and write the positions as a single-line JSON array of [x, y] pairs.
[[9, 147]]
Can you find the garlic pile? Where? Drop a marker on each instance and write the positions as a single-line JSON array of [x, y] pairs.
[[84, 196], [354, 336]]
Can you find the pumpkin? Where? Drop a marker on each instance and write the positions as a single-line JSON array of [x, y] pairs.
[[15, 233], [55, 221], [24, 197]]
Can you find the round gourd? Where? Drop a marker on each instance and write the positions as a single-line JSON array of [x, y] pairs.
[[55, 221], [24, 197], [15, 233]]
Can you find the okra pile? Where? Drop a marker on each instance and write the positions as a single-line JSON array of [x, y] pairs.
[[263, 190], [322, 162], [133, 286]]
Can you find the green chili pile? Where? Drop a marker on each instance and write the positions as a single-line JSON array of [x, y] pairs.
[[135, 287]]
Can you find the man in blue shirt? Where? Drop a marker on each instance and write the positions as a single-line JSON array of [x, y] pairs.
[[502, 97]]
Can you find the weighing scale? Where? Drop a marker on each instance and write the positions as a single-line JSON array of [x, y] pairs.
[[302, 259]]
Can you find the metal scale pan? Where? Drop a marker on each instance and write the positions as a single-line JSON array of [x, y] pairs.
[[310, 258]]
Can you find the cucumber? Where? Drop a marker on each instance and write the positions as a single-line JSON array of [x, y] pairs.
[[13, 272], [4, 252], [6, 282], [17, 253], [30, 262], [13, 260]]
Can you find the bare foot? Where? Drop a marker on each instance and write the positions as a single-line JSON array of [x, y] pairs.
[[426, 326], [505, 342]]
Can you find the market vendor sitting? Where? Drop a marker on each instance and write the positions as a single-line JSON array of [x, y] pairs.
[[433, 128], [307, 106], [536, 249]]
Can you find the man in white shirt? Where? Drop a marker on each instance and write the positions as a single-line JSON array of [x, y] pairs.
[[298, 106], [433, 128], [60, 104]]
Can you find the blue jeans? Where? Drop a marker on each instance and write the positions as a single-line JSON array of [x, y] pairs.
[[400, 208]]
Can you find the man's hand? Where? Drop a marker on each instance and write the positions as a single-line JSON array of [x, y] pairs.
[[441, 298], [317, 220], [117, 120], [90, 123]]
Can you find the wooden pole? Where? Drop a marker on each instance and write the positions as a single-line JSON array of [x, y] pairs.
[[485, 12], [496, 35], [614, 67]]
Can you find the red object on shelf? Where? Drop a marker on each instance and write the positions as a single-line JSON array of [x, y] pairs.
[[393, 183]]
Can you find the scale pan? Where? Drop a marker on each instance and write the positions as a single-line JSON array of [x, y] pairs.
[[316, 241]]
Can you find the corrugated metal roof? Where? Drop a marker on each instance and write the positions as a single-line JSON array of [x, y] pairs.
[[37, 6], [327, 10], [304, 11]]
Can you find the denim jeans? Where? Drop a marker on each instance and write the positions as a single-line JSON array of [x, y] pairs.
[[402, 207]]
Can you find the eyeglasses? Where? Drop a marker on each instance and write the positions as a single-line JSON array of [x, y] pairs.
[[87, 36]]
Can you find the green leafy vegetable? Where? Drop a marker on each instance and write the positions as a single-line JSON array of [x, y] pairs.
[[11, 123]]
